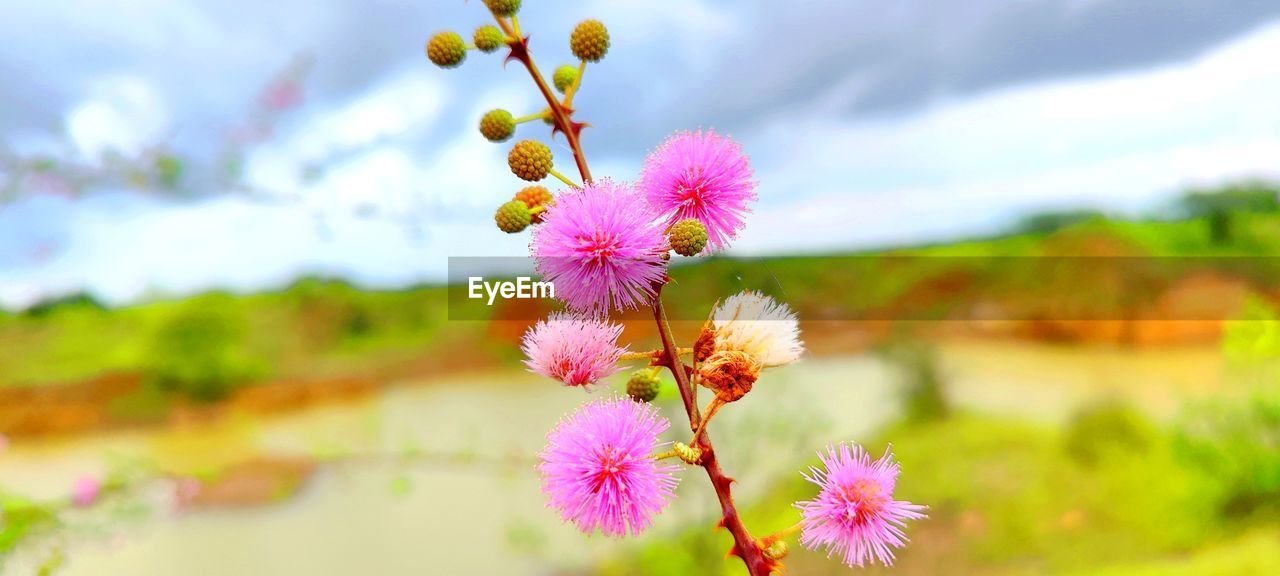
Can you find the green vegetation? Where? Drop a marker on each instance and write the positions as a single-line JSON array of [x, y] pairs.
[[921, 382], [206, 346], [202, 351], [1008, 497], [325, 327]]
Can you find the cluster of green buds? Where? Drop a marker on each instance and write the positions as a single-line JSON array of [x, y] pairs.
[[529, 160]]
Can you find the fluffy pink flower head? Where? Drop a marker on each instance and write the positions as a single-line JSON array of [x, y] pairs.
[[598, 469], [86, 491], [601, 247], [855, 514], [700, 175], [573, 349]]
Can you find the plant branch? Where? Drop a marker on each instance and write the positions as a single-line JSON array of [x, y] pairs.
[[744, 545], [559, 112]]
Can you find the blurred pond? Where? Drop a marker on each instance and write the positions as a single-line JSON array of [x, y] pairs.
[[480, 511]]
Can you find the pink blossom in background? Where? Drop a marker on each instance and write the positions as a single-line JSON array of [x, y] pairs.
[[4, 442], [281, 96], [598, 469], [854, 514], [86, 491], [575, 350], [601, 247], [700, 175]]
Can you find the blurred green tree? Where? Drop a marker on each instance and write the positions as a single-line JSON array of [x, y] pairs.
[[202, 352]]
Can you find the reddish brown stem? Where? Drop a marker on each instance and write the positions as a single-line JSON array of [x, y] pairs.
[[561, 115], [744, 545]]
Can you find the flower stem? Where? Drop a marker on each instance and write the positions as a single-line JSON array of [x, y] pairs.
[[650, 354], [560, 113], [713, 407], [768, 541], [562, 178], [531, 117], [744, 545], [577, 81], [665, 455]]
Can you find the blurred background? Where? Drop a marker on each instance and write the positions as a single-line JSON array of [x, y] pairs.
[[226, 344]]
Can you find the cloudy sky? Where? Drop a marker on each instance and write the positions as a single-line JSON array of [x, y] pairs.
[[869, 123]]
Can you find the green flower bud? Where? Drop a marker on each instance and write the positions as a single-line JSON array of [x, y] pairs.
[[643, 385], [564, 77], [512, 217], [776, 551], [691, 455], [489, 38], [503, 7], [589, 41], [497, 125], [530, 160], [687, 237], [533, 197], [446, 49]]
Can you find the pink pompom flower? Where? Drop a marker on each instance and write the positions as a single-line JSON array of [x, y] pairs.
[[86, 491], [601, 247], [700, 175], [854, 514], [573, 349], [598, 468]]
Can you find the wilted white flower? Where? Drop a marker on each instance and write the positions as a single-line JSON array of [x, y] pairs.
[[759, 326]]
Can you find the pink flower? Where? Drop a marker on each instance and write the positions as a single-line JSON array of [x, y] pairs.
[[4, 442], [86, 491], [598, 469], [601, 247], [572, 349], [700, 175], [855, 514]]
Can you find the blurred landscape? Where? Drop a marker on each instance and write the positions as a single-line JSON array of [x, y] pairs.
[[1034, 247], [1050, 439]]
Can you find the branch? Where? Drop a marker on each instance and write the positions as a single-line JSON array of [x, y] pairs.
[[559, 112], [744, 545]]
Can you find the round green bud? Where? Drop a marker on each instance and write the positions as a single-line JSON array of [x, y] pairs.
[[776, 551], [512, 217], [497, 125], [446, 49], [564, 77], [589, 40], [687, 237], [530, 160], [691, 455], [503, 7], [643, 385], [489, 38]]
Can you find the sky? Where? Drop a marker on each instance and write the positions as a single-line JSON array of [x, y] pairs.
[[868, 124]]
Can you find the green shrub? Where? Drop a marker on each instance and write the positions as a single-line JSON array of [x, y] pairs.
[[923, 397], [202, 352], [1110, 427], [1238, 443]]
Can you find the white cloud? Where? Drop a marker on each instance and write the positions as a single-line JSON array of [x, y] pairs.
[[1121, 141], [122, 114]]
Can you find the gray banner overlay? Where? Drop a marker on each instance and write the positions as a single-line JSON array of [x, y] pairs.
[[908, 288]]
